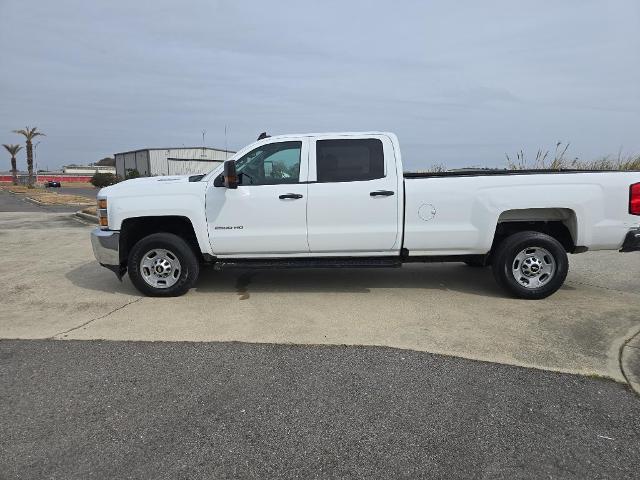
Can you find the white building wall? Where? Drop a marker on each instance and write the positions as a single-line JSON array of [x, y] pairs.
[[159, 163], [155, 161], [87, 169], [191, 167], [132, 160], [119, 164], [142, 162]]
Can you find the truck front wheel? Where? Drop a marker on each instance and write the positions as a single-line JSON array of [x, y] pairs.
[[163, 265], [530, 265]]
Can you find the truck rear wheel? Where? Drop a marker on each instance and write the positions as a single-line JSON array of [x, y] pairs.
[[163, 265], [530, 265]]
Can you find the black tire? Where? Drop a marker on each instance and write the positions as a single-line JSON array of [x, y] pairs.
[[505, 259], [189, 265]]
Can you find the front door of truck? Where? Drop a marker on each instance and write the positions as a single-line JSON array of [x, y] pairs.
[[354, 193], [266, 214]]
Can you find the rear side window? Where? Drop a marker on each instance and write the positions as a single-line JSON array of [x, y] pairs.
[[349, 160]]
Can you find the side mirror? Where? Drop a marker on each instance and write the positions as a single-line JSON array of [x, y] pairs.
[[230, 176]]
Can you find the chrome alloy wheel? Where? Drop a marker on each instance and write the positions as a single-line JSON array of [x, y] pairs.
[[533, 267], [160, 268]]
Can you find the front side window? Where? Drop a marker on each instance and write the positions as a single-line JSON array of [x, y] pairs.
[[349, 160], [270, 164]]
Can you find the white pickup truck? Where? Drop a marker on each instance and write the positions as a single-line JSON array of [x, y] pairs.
[[342, 200]]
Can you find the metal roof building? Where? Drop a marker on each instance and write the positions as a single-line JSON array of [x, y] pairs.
[[170, 161]]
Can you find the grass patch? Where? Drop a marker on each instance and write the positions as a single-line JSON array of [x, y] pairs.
[[77, 185], [91, 210], [597, 376], [559, 160], [16, 188], [48, 197]]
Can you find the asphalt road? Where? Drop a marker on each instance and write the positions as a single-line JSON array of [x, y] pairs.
[[98, 409], [17, 203]]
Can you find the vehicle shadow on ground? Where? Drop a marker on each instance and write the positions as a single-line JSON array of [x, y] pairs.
[[456, 277], [446, 276], [350, 280], [92, 276]]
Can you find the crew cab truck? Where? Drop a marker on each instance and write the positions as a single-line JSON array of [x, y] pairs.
[[342, 200]]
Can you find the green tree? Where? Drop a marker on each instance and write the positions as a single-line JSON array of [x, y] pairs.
[[29, 134], [132, 173], [100, 180], [13, 151]]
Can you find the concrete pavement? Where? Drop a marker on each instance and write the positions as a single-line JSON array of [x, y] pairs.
[[55, 289]]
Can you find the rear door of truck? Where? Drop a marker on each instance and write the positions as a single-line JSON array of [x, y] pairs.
[[353, 196]]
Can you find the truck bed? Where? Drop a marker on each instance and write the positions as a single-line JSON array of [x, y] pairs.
[[457, 213]]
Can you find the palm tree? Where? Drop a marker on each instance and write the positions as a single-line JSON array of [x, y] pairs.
[[13, 151], [29, 135]]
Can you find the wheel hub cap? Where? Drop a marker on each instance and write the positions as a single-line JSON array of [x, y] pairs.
[[533, 267], [160, 268]]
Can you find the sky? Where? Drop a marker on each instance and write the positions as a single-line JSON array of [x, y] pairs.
[[461, 83]]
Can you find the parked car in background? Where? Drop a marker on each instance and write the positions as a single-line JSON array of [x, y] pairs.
[[342, 200], [52, 184]]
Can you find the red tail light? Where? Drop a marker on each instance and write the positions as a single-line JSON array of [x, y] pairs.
[[634, 199]]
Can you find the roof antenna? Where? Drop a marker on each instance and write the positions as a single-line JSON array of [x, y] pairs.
[[226, 152], [263, 135]]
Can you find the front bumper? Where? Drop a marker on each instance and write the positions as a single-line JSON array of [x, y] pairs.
[[106, 248], [631, 241]]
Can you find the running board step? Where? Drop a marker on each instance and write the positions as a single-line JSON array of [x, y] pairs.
[[351, 262]]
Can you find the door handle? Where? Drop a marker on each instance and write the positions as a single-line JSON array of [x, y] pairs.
[[382, 193], [294, 196]]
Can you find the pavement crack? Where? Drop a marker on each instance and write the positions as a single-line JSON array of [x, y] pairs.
[[587, 284], [84, 324], [626, 344]]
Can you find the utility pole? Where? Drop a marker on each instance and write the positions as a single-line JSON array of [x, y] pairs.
[[226, 152]]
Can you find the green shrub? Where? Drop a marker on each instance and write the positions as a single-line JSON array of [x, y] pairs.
[[100, 180], [132, 173]]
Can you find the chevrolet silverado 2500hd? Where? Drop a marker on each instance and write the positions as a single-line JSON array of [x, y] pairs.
[[342, 200]]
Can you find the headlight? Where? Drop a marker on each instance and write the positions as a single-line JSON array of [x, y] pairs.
[[103, 219]]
